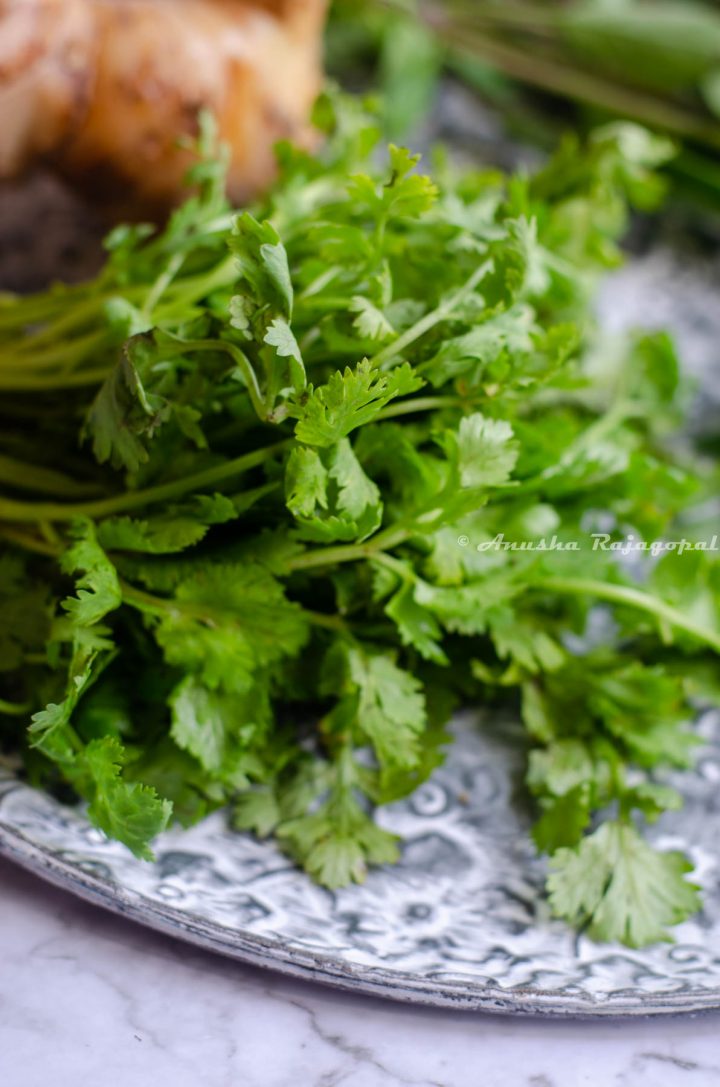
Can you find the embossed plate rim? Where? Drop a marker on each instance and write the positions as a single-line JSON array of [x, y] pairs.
[[283, 958]]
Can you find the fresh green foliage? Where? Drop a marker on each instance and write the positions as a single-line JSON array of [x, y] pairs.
[[254, 559], [133, 813], [656, 62], [350, 400], [597, 882]]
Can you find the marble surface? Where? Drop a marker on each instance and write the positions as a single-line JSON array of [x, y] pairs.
[[87, 998]]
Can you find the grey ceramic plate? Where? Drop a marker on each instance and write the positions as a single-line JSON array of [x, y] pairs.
[[461, 920]]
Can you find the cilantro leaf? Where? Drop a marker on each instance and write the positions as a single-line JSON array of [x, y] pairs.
[[226, 621], [98, 588], [25, 612], [263, 263], [470, 355], [486, 453], [155, 536], [371, 322], [176, 529], [349, 510], [123, 413], [465, 609], [416, 625], [128, 811], [280, 336], [336, 843], [404, 195], [350, 400], [385, 703], [217, 728], [306, 481], [356, 492], [621, 888]]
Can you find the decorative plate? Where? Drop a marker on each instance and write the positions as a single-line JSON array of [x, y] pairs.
[[461, 920]]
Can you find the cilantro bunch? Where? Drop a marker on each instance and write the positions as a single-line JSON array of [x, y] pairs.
[[250, 478]]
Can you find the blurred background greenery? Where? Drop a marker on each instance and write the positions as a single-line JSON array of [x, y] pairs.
[[546, 66]]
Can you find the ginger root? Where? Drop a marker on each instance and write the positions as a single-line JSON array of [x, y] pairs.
[[103, 90]]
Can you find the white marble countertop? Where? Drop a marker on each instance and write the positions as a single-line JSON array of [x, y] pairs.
[[87, 998]]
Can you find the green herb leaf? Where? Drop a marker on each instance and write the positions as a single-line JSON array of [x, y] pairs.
[[621, 888], [132, 813], [350, 400]]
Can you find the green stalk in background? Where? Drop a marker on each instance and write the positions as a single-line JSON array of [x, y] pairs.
[[656, 62]]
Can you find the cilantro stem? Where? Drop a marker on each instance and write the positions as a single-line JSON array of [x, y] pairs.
[[35, 382], [420, 403], [323, 302], [328, 622], [33, 477], [71, 316], [323, 556], [406, 573], [635, 598], [66, 354], [193, 288], [243, 364], [15, 709], [70, 313], [37, 658], [28, 543], [385, 358], [162, 282], [60, 315], [317, 284], [10, 510], [157, 605], [18, 311], [529, 16], [572, 82]]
